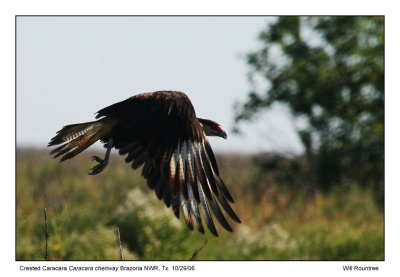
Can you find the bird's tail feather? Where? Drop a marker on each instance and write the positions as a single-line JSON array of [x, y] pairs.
[[77, 137]]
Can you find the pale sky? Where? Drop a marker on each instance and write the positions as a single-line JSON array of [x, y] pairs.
[[68, 68]]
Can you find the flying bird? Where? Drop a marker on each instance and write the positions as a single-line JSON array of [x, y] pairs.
[[160, 131]]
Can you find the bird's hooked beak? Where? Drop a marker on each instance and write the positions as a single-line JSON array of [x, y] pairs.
[[224, 135], [218, 131], [212, 128]]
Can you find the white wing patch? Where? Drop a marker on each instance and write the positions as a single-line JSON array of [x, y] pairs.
[[172, 165], [182, 156], [190, 159]]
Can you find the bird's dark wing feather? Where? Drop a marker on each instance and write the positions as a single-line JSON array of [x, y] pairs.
[[161, 131], [184, 194]]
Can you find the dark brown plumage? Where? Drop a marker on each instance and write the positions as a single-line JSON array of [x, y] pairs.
[[160, 131]]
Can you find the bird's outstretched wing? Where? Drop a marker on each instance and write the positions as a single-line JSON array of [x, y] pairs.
[[160, 131]]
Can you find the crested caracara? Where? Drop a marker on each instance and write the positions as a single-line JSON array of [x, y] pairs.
[[160, 131]]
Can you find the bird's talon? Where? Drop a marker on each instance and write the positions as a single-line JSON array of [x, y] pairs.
[[97, 159], [98, 168]]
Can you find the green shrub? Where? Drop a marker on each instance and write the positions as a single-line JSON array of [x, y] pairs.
[[84, 213]]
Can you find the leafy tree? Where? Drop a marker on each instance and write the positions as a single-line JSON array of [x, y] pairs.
[[329, 71]]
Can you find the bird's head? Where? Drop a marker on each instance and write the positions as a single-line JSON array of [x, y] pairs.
[[212, 128]]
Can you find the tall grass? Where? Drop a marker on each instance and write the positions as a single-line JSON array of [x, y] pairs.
[[84, 212]]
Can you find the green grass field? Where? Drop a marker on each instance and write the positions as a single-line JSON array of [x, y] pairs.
[[84, 213]]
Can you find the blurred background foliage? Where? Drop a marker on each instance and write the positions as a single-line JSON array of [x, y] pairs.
[[84, 213], [325, 204], [329, 72]]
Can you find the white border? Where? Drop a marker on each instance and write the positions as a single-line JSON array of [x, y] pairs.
[[8, 10]]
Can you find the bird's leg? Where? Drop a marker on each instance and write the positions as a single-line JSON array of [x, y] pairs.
[[102, 163]]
